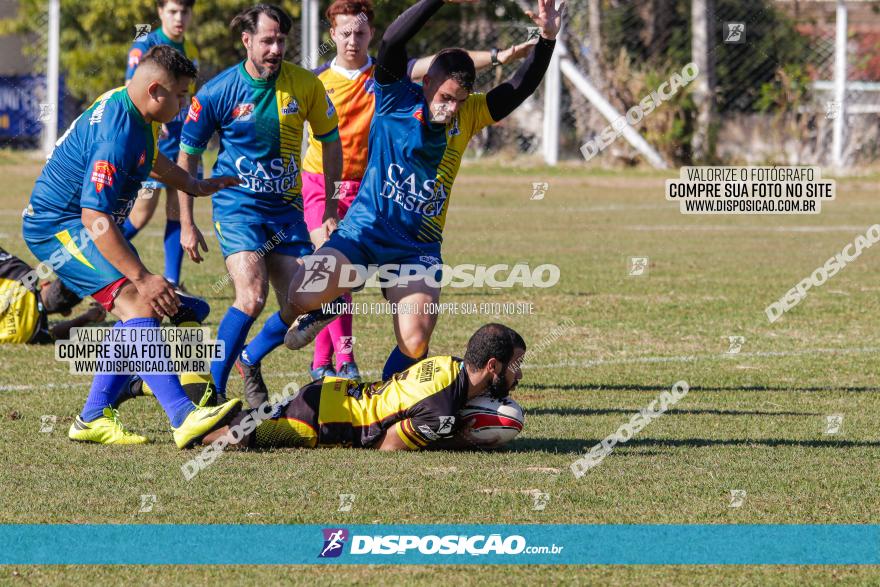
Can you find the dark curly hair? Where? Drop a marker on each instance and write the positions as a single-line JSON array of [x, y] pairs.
[[492, 341], [455, 64]]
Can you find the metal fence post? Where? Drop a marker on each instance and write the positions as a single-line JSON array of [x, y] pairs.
[[839, 85]]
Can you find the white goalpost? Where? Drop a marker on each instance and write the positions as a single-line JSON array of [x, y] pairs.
[[50, 122]]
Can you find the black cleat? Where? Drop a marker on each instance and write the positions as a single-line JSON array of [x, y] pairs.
[[306, 327], [255, 391]]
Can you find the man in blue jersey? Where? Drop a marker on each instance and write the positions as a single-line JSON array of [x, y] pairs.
[[175, 16], [258, 109], [417, 139], [83, 195]]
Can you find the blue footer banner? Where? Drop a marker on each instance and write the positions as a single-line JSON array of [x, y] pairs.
[[146, 544]]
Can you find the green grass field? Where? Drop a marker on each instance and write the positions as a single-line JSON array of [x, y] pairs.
[[753, 421]]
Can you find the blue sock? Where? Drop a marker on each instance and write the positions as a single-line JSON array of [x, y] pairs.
[[104, 392], [173, 251], [397, 362], [267, 340], [233, 332], [129, 230], [166, 388]]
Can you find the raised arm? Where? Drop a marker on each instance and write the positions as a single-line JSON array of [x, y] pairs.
[[391, 59], [504, 98], [482, 59]]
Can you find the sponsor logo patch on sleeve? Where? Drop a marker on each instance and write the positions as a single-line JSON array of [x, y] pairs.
[[134, 57], [103, 174], [195, 109]]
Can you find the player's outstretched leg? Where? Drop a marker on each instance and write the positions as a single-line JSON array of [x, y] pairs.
[[281, 268], [199, 387], [250, 279], [413, 330], [188, 421], [316, 282]]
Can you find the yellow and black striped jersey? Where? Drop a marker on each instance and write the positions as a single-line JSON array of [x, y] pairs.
[[339, 412], [22, 316]]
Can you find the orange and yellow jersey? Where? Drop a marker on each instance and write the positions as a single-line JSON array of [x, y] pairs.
[[352, 94], [339, 412]]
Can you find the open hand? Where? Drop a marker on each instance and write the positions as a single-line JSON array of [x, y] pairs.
[[548, 18]]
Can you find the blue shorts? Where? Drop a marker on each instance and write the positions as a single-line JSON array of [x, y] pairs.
[[81, 266], [365, 249], [268, 237]]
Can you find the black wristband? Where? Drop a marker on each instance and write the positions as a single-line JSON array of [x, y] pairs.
[[494, 55]]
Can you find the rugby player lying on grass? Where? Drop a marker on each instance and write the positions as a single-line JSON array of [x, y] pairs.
[[413, 410], [25, 305]]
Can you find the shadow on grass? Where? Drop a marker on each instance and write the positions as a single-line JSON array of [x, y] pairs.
[[661, 388], [605, 411], [565, 445]]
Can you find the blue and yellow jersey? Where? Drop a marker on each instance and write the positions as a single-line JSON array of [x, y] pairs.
[[412, 163], [168, 145], [339, 412], [260, 124], [98, 164]]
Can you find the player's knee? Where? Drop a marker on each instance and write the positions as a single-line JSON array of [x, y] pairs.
[[250, 302], [414, 345]]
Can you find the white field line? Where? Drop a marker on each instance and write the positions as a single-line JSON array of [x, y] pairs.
[[592, 363], [684, 228], [695, 358]]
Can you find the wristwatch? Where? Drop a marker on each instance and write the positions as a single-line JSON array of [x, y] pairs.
[[494, 54]]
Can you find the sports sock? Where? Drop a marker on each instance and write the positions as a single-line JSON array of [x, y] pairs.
[[233, 331], [129, 230], [133, 388], [195, 385], [397, 362], [105, 390], [173, 251], [267, 339], [323, 348], [340, 327], [166, 388]]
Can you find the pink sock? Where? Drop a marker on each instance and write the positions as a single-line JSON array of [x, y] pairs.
[[340, 327], [323, 348]]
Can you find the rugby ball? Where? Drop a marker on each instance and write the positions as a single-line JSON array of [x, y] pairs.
[[487, 422]]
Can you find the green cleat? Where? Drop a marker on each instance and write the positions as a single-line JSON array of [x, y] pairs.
[[104, 430], [202, 420]]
